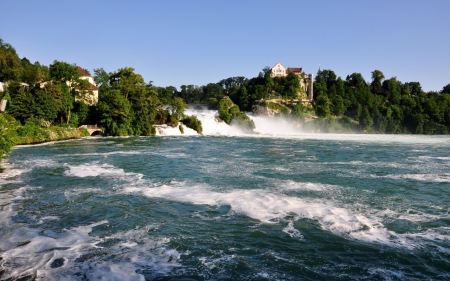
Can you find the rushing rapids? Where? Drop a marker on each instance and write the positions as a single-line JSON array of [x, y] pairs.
[[274, 205]]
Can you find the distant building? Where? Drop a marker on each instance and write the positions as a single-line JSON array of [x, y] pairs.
[[89, 99], [306, 80], [278, 70]]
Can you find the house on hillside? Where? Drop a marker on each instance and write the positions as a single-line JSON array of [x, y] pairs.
[[92, 97], [278, 70], [89, 99], [306, 80]]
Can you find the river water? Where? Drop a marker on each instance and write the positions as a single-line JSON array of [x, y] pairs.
[[277, 205]]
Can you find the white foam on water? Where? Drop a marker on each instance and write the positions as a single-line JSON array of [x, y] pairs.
[[175, 131], [270, 207], [445, 177], [210, 124], [96, 169], [421, 216], [387, 274], [32, 252], [10, 171], [292, 232], [293, 185]]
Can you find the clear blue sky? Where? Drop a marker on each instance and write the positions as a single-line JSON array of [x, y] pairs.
[[176, 42]]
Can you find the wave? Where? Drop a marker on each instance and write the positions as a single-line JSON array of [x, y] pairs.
[[270, 207]]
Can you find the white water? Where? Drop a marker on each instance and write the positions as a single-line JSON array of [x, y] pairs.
[[277, 127], [272, 206]]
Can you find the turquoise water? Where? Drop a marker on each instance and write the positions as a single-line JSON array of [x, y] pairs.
[[303, 207]]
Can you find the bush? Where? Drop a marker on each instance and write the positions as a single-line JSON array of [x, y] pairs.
[[243, 122], [7, 135], [224, 107], [32, 132], [193, 123]]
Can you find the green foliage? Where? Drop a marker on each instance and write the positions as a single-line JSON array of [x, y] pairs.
[[10, 66], [322, 106], [32, 132], [224, 107], [46, 106], [193, 123], [243, 122], [230, 113], [63, 71], [299, 111], [22, 105], [129, 106], [278, 107], [365, 119], [178, 107], [7, 135], [115, 113]]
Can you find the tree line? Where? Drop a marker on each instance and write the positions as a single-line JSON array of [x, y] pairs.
[[383, 105], [127, 105]]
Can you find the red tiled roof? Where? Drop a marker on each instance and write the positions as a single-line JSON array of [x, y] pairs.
[[93, 87], [83, 72], [295, 69]]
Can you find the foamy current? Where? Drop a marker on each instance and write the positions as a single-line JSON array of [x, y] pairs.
[[276, 205]]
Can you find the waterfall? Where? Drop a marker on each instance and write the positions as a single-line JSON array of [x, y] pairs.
[[213, 126]]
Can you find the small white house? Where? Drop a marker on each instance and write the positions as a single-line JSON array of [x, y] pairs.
[[278, 70], [93, 87]]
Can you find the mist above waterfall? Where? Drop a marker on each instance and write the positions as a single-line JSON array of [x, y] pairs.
[[213, 126], [268, 125]]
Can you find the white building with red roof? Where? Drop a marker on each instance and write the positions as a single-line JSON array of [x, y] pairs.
[[90, 99], [306, 80]]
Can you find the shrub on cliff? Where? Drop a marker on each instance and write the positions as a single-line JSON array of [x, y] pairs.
[[230, 113], [243, 122], [193, 123], [224, 109]]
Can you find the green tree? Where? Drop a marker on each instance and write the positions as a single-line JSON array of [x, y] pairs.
[[377, 79], [392, 90], [7, 135], [68, 78], [10, 66], [101, 78], [322, 106], [127, 82], [63, 71], [46, 108], [291, 86], [365, 120], [144, 113], [115, 113], [446, 89], [22, 106], [178, 107]]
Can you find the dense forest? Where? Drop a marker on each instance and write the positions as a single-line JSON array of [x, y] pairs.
[[54, 95]]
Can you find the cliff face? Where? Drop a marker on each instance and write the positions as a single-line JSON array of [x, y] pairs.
[[263, 110], [266, 108]]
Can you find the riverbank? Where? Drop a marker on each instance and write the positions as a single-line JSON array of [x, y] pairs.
[[52, 134], [13, 133]]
